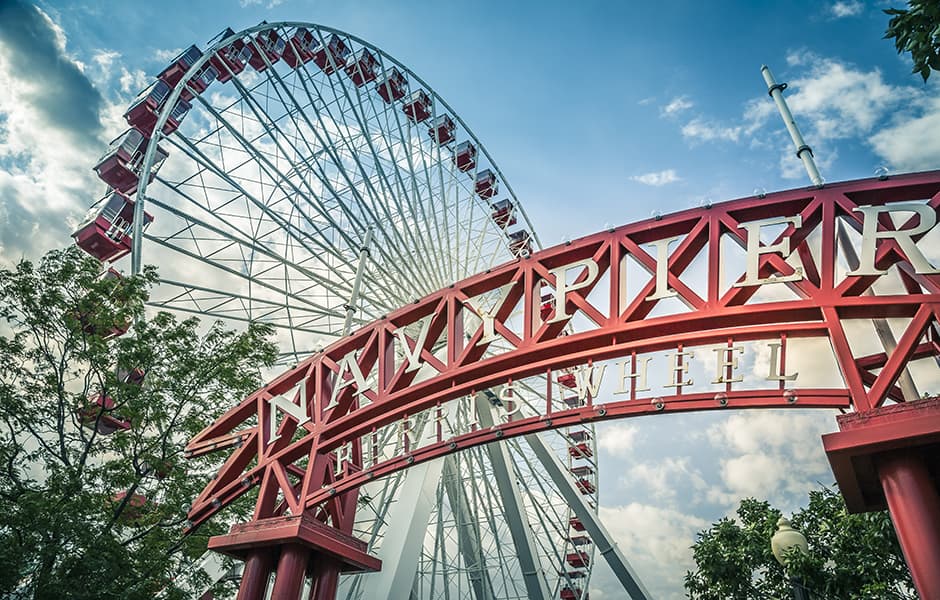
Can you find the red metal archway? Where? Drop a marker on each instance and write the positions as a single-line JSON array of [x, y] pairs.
[[318, 451]]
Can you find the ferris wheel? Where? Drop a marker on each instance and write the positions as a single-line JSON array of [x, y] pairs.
[[296, 175]]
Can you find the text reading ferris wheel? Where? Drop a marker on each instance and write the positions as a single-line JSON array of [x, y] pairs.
[[295, 175]]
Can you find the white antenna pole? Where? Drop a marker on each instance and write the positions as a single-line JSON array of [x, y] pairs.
[[885, 335], [803, 152]]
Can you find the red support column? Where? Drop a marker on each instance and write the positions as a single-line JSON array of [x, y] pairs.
[[255, 576], [325, 578], [301, 540], [291, 570], [885, 458], [915, 511]]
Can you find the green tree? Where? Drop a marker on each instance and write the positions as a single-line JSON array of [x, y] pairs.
[[84, 513], [916, 29], [851, 557]]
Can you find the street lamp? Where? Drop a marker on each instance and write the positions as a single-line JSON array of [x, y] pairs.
[[785, 538]]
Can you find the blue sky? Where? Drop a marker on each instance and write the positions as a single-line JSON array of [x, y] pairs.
[[597, 113]]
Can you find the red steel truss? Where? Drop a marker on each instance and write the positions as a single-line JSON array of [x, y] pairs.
[[313, 453]]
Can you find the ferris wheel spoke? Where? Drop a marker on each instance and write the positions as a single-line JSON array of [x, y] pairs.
[[436, 183], [408, 189], [407, 143], [313, 307], [270, 210], [452, 237], [214, 302], [396, 188], [329, 147], [513, 507], [379, 199], [468, 533], [277, 220], [394, 263], [549, 522], [292, 270], [375, 196], [439, 538], [275, 175], [488, 499]]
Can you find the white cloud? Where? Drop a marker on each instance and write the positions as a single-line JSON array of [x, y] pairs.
[[134, 81], [846, 8], [269, 4], [840, 100], [833, 101], [664, 479], [772, 455], [618, 439], [49, 139], [657, 178], [104, 59], [748, 432], [702, 130], [912, 144], [836, 101], [676, 106], [656, 541], [166, 54], [752, 474]]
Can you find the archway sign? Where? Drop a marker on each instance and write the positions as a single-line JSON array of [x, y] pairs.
[[770, 271]]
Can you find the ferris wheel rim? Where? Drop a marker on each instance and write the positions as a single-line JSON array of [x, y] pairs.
[[151, 151]]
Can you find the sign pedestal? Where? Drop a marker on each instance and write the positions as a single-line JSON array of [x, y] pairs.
[[301, 543], [890, 458]]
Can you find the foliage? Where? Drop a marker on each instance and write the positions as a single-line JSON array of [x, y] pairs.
[[72, 524], [851, 556], [917, 30]]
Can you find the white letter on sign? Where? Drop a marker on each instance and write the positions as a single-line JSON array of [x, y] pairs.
[[348, 363], [489, 316], [727, 363], [662, 270], [510, 406], [754, 250], [904, 237], [638, 374], [679, 368], [298, 412], [562, 288], [413, 356]]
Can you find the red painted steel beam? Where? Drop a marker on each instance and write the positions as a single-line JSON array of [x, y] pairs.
[[254, 583], [775, 398], [621, 329], [303, 530]]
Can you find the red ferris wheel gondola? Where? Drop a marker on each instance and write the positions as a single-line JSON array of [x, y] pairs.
[[105, 233]]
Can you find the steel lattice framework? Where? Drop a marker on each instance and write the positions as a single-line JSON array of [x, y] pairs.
[[493, 329], [316, 184]]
